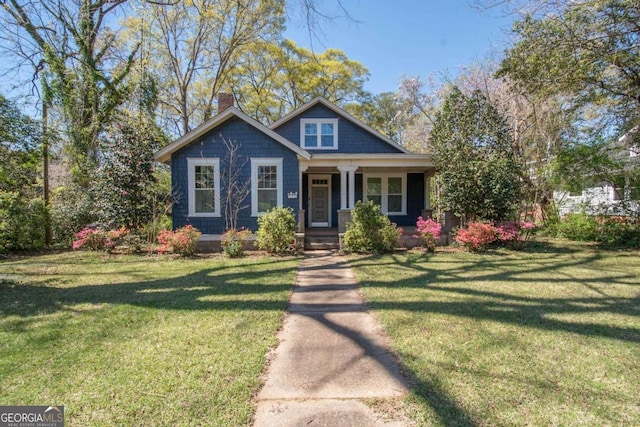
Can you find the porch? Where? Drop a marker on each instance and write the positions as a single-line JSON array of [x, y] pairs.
[[330, 186]]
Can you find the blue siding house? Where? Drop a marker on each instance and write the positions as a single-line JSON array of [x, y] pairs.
[[318, 160]]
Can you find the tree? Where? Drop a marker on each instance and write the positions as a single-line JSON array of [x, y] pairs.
[[540, 129], [21, 206], [122, 190], [586, 56], [473, 152], [235, 189], [194, 45], [382, 112], [85, 60], [587, 52], [273, 79]]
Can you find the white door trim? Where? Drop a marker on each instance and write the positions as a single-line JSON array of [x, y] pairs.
[[327, 185]]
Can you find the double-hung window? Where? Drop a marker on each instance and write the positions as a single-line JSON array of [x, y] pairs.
[[319, 134], [388, 191], [266, 184], [204, 186]]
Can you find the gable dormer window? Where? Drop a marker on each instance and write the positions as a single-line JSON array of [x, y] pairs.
[[319, 134]]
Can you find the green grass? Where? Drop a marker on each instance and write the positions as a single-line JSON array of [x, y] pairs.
[[134, 340], [548, 336]]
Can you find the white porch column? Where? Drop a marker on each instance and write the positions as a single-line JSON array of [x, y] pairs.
[[352, 186], [347, 186], [343, 188]]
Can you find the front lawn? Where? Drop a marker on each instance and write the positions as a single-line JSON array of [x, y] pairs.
[[135, 340], [548, 336]]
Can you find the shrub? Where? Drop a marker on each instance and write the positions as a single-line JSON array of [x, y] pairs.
[[234, 242], [514, 233], [96, 239], [21, 222], [182, 241], [580, 227], [92, 239], [276, 230], [477, 236], [428, 232], [370, 231], [618, 231]]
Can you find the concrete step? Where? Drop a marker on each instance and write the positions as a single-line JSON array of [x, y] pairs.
[[315, 243], [318, 246]]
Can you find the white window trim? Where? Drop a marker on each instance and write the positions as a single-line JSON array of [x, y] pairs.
[[319, 122], [191, 168], [265, 161], [385, 190]]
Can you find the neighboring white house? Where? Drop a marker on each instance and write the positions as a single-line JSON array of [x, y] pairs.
[[604, 198]]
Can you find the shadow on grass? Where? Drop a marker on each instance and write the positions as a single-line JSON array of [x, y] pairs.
[[443, 277], [204, 289], [220, 289]]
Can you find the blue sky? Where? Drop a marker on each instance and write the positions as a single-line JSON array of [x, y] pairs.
[[417, 37]]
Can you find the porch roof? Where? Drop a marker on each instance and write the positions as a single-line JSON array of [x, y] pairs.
[[369, 160]]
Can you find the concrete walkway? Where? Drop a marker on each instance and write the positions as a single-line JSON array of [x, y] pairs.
[[331, 355]]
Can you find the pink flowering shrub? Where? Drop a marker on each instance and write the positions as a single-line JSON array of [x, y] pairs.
[[182, 241], [95, 239], [514, 233], [92, 239], [428, 232], [477, 236]]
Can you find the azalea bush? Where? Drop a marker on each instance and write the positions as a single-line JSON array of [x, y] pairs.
[[92, 239], [234, 242], [277, 231], [182, 241], [370, 231], [479, 235], [514, 233], [96, 239], [428, 233]]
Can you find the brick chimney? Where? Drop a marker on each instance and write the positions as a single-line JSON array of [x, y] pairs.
[[225, 100]]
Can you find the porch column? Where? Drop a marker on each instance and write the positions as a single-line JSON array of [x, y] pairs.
[[302, 168], [352, 186], [427, 192], [347, 186], [343, 188]]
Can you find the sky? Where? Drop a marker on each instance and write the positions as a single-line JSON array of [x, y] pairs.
[[410, 37]]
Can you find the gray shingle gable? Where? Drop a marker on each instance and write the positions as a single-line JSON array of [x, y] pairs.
[[353, 135]]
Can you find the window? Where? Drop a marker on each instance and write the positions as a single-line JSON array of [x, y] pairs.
[[319, 134], [388, 191], [266, 185], [204, 186]]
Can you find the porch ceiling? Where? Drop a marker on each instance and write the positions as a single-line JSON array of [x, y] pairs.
[[330, 162]]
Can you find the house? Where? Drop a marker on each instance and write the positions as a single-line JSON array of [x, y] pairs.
[[605, 197], [318, 160]]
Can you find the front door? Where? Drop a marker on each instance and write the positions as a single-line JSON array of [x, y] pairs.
[[319, 201]]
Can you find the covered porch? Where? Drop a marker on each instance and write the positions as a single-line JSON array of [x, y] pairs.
[[331, 185]]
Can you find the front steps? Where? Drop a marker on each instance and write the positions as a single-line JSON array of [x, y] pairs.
[[316, 239], [317, 243]]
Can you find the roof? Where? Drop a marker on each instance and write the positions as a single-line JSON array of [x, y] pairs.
[[388, 160], [164, 155], [341, 112]]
